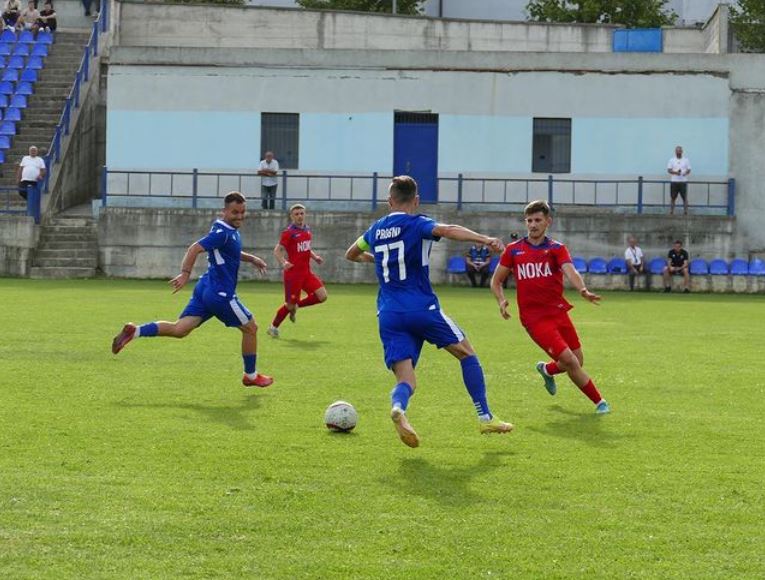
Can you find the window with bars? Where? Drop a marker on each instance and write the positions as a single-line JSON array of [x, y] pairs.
[[280, 133], [552, 146]]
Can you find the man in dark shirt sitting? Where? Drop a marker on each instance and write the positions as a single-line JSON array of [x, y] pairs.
[[477, 261], [677, 263]]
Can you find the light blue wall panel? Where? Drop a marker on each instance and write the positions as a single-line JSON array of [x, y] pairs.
[[484, 144], [643, 146], [182, 140], [353, 142]]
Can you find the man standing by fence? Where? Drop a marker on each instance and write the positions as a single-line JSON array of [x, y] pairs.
[[30, 171], [679, 168], [269, 168]]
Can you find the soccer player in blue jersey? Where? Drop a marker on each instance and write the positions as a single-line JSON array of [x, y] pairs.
[[214, 293], [408, 310]]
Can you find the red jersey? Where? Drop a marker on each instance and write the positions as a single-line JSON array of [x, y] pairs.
[[538, 277], [297, 242]]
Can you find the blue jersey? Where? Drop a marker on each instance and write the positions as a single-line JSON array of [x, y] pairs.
[[479, 254], [401, 245], [224, 252]]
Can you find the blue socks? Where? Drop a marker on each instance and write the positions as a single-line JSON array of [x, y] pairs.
[[249, 363], [150, 329], [399, 396], [472, 375]]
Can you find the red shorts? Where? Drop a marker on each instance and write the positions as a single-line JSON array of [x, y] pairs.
[[296, 282], [554, 334]]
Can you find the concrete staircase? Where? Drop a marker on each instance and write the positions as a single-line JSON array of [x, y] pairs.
[[45, 106], [68, 246]]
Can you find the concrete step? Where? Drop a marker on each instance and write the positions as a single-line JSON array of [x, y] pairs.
[[67, 245], [64, 221], [67, 262], [45, 254], [61, 240], [37, 272]]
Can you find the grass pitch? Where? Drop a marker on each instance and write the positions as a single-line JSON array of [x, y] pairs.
[[157, 463]]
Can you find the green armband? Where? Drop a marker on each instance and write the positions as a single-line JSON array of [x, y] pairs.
[[361, 243]]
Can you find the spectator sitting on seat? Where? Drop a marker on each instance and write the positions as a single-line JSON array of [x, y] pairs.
[[47, 19], [30, 171], [29, 18], [477, 261], [633, 255], [11, 13], [677, 263]]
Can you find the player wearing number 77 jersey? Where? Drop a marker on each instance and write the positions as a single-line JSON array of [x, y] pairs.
[[538, 264], [408, 310]]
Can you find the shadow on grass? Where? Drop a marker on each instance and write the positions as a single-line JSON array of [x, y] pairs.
[[305, 344], [450, 486], [234, 416], [587, 427]]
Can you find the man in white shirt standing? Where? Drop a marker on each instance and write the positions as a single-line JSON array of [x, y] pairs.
[[30, 171], [269, 167], [633, 255], [679, 168]]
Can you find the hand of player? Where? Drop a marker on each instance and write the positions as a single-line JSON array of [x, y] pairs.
[[260, 264], [179, 281], [495, 244], [287, 265], [503, 309], [318, 258], [590, 297]]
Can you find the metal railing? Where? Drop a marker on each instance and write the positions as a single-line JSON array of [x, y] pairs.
[[352, 191], [9, 195]]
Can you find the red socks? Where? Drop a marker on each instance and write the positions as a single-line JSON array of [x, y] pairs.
[[551, 368], [309, 300], [281, 314], [592, 392]]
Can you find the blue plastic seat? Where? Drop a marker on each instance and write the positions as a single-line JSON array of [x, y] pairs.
[[12, 114], [24, 88], [7, 88], [7, 128], [27, 37], [739, 267], [493, 263], [15, 62], [21, 50], [617, 266], [19, 101], [29, 75], [8, 36], [10, 75], [656, 266], [44, 37], [757, 267], [718, 267], [597, 265], [2, 156], [5, 142], [4, 101], [580, 264], [40, 50], [456, 265], [699, 267], [5, 49], [35, 62]]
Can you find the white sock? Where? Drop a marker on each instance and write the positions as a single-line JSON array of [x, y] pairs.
[[137, 332], [251, 376], [484, 418]]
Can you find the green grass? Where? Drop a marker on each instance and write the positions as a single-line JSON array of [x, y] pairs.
[[157, 463]]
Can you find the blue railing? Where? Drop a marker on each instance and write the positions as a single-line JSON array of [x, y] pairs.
[[32, 208], [352, 191], [63, 127]]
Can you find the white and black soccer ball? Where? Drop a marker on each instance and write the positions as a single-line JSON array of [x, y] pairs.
[[340, 416]]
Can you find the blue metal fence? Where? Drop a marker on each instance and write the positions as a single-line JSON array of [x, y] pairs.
[[353, 192]]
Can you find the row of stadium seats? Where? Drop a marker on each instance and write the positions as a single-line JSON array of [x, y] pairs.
[[598, 265], [10, 51], [9, 36]]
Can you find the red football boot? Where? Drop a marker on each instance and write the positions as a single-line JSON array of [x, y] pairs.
[[125, 336], [261, 381]]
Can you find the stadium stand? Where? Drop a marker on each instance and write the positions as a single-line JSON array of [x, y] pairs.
[[757, 267], [739, 267], [617, 266], [718, 267], [456, 265], [656, 266], [597, 265], [699, 267]]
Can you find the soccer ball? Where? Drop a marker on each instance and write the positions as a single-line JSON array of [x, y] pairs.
[[340, 416]]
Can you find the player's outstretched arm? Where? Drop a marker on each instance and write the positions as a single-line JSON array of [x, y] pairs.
[[576, 281], [280, 253], [357, 252], [256, 261], [462, 234], [186, 266], [497, 281]]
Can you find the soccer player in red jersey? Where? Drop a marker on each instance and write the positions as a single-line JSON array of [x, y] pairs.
[[294, 253], [538, 263]]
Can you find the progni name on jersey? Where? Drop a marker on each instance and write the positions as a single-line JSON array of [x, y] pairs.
[[387, 233], [534, 270]]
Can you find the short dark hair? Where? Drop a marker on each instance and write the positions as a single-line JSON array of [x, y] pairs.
[[537, 206], [678, 242], [403, 189], [233, 197]]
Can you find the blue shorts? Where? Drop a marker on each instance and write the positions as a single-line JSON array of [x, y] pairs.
[[206, 303], [403, 333]]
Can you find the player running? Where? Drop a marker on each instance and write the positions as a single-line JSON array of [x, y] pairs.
[[538, 264], [214, 293], [294, 253], [408, 309]]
